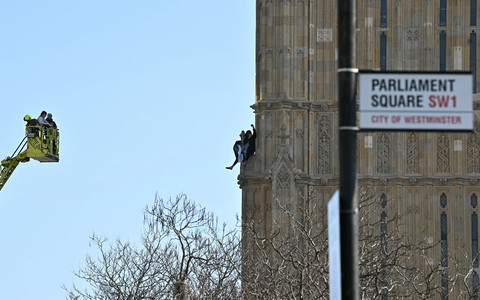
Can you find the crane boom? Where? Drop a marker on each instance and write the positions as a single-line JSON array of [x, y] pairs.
[[8, 166]]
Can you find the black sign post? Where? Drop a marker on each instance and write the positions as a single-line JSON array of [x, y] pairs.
[[347, 73]]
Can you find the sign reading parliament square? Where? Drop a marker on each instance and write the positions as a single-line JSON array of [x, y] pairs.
[[416, 101]]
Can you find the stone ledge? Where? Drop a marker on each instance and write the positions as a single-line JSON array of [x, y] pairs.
[[322, 106], [244, 180]]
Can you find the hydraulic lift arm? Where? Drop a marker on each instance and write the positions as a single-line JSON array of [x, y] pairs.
[[9, 164]]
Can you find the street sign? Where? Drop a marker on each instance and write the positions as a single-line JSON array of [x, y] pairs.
[[415, 101], [334, 267]]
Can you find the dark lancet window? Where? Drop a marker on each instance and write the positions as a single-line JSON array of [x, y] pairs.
[[473, 12], [473, 60], [475, 240], [383, 52], [443, 13], [444, 247], [383, 14], [475, 285], [383, 200], [383, 242], [443, 200], [383, 232], [444, 254], [475, 278], [443, 228], [443, 51]]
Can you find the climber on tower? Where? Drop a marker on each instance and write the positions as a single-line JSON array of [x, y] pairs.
[[238, 150], [245, 147], [250, 143]]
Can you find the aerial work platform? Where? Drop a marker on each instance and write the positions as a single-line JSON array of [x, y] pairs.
[[42, 144]]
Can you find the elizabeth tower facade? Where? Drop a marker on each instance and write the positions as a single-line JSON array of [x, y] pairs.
[[431, 178]]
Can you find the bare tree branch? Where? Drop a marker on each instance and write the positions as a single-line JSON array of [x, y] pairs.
[[184, 255]]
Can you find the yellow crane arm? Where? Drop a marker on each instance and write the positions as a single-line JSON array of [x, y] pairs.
[[9, 164]]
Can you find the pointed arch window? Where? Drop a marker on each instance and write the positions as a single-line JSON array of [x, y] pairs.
[[473, 60], [383, 224], [476, 283], [444, 254], [475, 240], [443, 13], [443, 51], [443, 200], [383, 200], [383, 52], [383, 245], [383, 232], [473, 12], [444, 247], [443, 230], [475, 278], [383, 13]]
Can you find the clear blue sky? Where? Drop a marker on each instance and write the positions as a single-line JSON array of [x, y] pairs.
[[149, 97]]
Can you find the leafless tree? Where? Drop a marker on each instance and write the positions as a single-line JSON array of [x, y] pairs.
[[184, 255], [290, 259], [387, 268]]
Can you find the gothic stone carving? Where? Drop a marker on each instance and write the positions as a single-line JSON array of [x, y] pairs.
[[413, 34], [286, 2], [412, 154], [324, 35], [443, 154], [283, 136], [473, 153], [384, 156], [283, 186], [325, 122]]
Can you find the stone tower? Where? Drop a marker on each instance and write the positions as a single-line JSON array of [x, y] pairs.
[[295, 108], [432, 177]]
